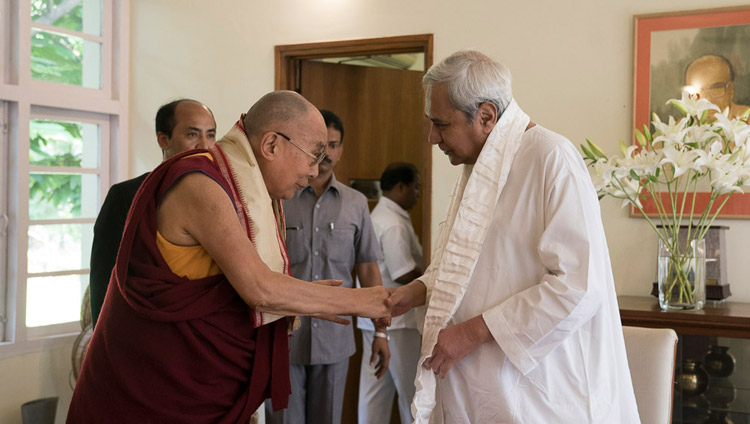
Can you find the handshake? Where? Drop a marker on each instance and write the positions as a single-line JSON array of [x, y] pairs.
[[381, 304], [378, 303]]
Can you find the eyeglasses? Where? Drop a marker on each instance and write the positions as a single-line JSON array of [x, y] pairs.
[[716, 90], [316, 158]]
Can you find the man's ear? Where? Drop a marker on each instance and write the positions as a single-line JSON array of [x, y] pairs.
[[487, 115], [163, 140], [400, 187], [269, 146]]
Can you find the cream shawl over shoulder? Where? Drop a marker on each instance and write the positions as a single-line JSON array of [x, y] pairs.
[[461, 238], [264, 216]]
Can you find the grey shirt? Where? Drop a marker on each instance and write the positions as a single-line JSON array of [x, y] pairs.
[[325, 237]]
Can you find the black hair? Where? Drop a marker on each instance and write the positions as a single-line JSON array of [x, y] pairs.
[[165, 120], [398, 172], [332, 120]]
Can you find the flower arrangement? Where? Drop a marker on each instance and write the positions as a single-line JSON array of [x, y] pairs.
[[706, 150]]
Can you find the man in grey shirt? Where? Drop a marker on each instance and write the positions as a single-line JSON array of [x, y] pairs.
[[328, 233]]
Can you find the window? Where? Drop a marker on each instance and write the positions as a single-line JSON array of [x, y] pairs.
[[3, 217], [63, 93]]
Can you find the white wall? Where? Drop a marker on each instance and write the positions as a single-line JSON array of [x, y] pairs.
[[33, 376], [571, 61]]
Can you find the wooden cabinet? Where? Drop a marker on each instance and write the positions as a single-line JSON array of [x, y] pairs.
[[728, 319], [727, 324]]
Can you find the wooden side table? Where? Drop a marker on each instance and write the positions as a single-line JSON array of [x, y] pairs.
[[727, 319]]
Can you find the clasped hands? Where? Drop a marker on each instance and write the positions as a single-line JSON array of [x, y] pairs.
[[392, 302]]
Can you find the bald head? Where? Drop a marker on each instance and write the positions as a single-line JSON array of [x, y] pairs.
[[717, 64], [274, 108], [712, 77], [286, 133]]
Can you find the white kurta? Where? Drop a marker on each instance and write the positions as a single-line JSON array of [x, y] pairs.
[[401, 250], [544, 285]]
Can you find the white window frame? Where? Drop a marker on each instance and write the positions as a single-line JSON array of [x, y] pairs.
[[103, 121], [4, 219], [23, 99]]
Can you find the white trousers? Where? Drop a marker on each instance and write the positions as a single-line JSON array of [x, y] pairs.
[[376, 395]]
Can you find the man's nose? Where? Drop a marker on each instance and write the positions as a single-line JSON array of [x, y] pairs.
[[313, 172], [434, 137], [203, 142]]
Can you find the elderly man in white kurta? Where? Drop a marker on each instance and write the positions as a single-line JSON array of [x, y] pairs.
[[522, 323]]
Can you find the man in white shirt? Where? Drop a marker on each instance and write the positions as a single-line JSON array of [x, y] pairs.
[[522, 323], [401, 263]]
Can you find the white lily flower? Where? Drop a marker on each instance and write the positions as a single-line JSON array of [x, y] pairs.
[[672, 126], [639, 160], [629, 190], [711, 158], [681, 157], [727, 182], [602, 175], [693, 107], [670, 133], [715, 151], [736, 131], [682, 160], [702, 135]]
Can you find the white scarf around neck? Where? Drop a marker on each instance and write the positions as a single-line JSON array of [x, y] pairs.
[[461, 238]]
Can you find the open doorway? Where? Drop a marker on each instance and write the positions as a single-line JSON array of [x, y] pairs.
[[380, 102], [374, 85]]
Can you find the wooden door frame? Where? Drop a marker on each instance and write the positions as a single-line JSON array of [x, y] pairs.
[[287, 59]]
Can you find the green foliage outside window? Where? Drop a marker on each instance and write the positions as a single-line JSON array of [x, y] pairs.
[[57, 57], [54, 144]]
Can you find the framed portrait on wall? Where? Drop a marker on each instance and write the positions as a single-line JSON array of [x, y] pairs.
[[704, 52]]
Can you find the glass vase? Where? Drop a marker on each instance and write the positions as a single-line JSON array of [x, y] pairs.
[[682, 274]]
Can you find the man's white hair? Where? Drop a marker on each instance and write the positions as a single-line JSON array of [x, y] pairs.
[[473, 78]]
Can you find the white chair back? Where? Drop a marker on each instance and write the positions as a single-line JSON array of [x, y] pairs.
[[651, 357]]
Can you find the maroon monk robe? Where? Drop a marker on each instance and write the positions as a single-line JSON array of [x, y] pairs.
[[172, 350]]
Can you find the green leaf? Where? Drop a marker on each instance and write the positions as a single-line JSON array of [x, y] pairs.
[[647, 133], [588, 153], [623, 147], [595, 149], [678, 104], [634, 176], [704, 117], [640, 138]]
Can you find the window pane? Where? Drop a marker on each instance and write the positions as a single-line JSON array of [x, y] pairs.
[[61, 196], [54, 300], [59, 247], [75, 15], [64, 143], [65, 59]]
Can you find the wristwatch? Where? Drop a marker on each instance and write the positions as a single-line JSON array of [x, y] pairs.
[[382, 335]]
